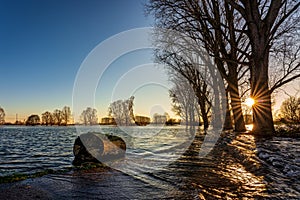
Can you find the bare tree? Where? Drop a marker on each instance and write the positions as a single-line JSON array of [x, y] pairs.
[[2, 116], [211, 25], [89, 116], [240, 33], [184, 101], [66, 114], [290, 109], [267, 21], [47, 118], [57, 117], [122, 111], [190, 63]]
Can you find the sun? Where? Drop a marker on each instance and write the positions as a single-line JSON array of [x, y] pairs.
[[249, 102]]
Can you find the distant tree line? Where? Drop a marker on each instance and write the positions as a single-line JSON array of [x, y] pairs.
[[57, 117]]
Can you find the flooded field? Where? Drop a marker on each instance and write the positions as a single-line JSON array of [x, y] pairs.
[[159, 164]]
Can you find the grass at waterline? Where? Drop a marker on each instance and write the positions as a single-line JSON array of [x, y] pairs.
[[287, 130], [20, 177], [75, 169]]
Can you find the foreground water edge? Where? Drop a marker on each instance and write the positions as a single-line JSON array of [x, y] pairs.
[[240, 166]]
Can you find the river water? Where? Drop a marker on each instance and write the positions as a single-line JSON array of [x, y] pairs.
[[161, 163]]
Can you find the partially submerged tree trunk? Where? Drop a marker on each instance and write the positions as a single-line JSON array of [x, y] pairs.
[[98, 148]]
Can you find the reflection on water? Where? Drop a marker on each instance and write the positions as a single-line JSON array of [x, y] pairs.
[[159, 165]]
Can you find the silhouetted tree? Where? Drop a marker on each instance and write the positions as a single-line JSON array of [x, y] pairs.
[[184, 101], [66, 114], [240, 32], [290, 109], [122, 111], [47, 118], [2, 116], [57, 117], [210, 25], [89, 116], [267, 23], [33, 120]]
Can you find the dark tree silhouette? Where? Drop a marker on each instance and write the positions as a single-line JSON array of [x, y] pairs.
[[290, 109], [211, 25], [267, 22], [66, 114], [33, 120], [57, 117], [184, 101], [2, 116], [47, 118]]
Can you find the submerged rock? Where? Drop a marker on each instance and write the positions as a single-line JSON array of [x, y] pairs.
[[98, 148]]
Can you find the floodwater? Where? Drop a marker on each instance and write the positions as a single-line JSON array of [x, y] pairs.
[[161, 163]]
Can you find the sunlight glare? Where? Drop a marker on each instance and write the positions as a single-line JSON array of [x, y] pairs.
[[249, 102]]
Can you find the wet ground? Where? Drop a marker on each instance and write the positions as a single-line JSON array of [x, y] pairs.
[[239, 167]]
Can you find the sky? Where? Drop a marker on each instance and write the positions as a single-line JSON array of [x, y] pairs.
[[44, 43]]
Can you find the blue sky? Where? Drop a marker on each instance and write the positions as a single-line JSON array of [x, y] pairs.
[[44, 42]]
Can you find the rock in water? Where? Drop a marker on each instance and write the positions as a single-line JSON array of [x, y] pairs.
[[97, 148]]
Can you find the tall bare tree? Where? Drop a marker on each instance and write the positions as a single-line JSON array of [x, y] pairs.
[[211, 24], [66, 114], [2, 116], [47, 118], [122, 111], [184, 100], [196, 78], [267, 22], [89, 116], [57, 117]]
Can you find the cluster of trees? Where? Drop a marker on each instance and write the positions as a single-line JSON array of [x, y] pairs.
[[57, 117], [89, 116], [243, 39], [122, 112], [290, 110]]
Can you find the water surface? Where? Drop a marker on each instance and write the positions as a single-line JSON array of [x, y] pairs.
[[160, 164]]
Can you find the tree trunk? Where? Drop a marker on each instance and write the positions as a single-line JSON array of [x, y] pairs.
[[262, 111], [233, 88], [204, 116], [239, 123], [228, 121]]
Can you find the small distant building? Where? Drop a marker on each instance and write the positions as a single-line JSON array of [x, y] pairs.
[[142, 120], [108, 121]]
